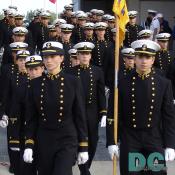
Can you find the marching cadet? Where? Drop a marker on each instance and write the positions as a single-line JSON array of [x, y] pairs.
[[94, 16], [67, 13], [164, 57], [111, 25], [13, 81], [128, 55], [145, 126], [78, 32], [55, 113], [94, 97], [99, 57], [4, 121], [52, 33], [41, 31], [89, 17], [57, 24], [34, 21], [88, 32], [73, 19], [19, 35], [99, 14], [73, 57], [132, 29], [145, 34], [66, 32]]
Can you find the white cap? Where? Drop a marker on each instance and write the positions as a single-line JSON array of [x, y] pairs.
[[128, 52], [72, 51], [145, 46], [132, 13], [11, 12], [18, 46], [111, 18], [163, 36], [78, 12], [68, 7], [66, 27], [20, 31], [93, 11], [84, 46], [58, 22], [51, 28], [33, 61], [44, 14], [19, 15], [22, 53], [113, 30], [145, 33], [81, 15], [151, 11], [99, 12], [100, 25], [89, 25], [106, 16]]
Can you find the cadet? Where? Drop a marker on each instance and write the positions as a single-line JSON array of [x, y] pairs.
[[67, 13], [164, 57], [145, 126], [52, 33], [132, 29], [111, 25], [66, 32], [73, 57], [41, 31], [94, 94], [78, 32], [145, 34], [99, 14], [55, 113], [88, 32], [99, 57]]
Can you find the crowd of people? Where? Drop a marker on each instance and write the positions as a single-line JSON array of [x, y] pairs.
[[57, 85]]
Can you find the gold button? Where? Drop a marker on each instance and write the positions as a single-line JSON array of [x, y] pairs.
[[133, 83], [59, 120], [152, 78], [134, 126], [61, 90], [133, 101], [61, 101], [133, 107], [91, 79], [133, 113], [62, 78], [41, 102], [134, 119], [62, 84], [153, 89], [42, 114], [61, 96], [150, 113], [152, 83], [61, 108], [149, 119], [132, 95], [153, 95], [152, 100], [41, 108], [44, 119], [61, 114], [152, 107], [42, 90], [133, 89], [148, 125], [41, 96], [42, 84]]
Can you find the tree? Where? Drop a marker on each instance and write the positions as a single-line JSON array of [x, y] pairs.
[[30, 15]]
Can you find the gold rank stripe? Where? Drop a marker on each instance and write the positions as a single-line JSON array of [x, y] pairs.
[[29, 141], [33, 63], [83, 144], [145, 52], [14, 141], [49, 51], [103, 111]]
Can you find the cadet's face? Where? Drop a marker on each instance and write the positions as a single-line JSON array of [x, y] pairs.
[[21, 64], [45, 21], [75, 62], [99, 18], [11, 20], [144, 62], [100, 33], [52, 62], [163, 45], [53, 34], [111, 24], [84, 57], [132, 21], [68, 12], [129, 62], [58, 29], [35, 71], [81, 22], [18, 22], [74, 20], [18, 38], [14, 56], [66, 36], [88, 32]]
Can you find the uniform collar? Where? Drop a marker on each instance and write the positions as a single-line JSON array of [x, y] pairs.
[[53, 76], [143, 76], [84, 66]]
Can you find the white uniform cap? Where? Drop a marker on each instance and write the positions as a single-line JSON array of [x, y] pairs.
[[58, 22], [145, 46], [44, 14], [151, 11], [89, 25], [33, 61], [128, 52], [18, 46], [100, 25], [79, 11], [111, 18], [66, 27], [22, 53], [81, 15], [11, 12], [51, 28], [93, 11], [159, 15], [73, 52], [132, 13], [163, 36], [20, 31], [19, 15], [113, 30], [145, 33], [99, 12], [68, 7], [84, 46]]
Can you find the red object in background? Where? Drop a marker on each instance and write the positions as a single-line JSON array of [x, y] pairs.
[[53, 1]]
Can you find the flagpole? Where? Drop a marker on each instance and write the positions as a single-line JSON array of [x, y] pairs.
[[56, 9], [116, 90]]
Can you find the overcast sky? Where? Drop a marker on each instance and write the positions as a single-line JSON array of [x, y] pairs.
[[26, 5]]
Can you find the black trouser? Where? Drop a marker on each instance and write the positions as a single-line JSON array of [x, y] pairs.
[[140, 141], [56, 154], [92, 141]]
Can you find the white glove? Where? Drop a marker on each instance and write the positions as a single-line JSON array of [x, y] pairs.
[[106, 90], [113, 150], [4, 121], [169, 154], [15, 149], [82, 158], [174, 102], [28, 155], [103, 121]]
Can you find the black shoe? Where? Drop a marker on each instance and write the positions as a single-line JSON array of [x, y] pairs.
[[11, 170]]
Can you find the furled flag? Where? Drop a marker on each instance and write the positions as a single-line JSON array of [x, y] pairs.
[[120, 9], [53, 1]]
